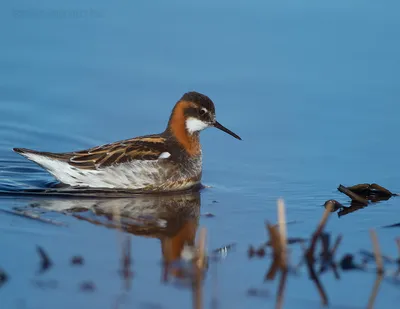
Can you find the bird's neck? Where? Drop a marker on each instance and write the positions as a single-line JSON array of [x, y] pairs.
[[177, 128]]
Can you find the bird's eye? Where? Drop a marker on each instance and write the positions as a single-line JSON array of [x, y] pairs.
[[203, 111]]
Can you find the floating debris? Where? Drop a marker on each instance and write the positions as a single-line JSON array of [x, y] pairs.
[[208, 215], [258, 292], [77, 260], [45, 262], [223, 251], [347, 263], [260, 252], [371, 190], [226, 248], [87, 286], [354, 196], [3, 277], [290, 241], [370, 256], [398, 259], [362, 193], [391, 225], [360, 196]]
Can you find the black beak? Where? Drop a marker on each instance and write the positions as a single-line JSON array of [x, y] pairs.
[[222, 128]]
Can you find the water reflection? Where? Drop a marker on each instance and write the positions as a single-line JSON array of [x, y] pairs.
[[172, 218]]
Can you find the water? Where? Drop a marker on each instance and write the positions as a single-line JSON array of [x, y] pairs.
[[312, 88]]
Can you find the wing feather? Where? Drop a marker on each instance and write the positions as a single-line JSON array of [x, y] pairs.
[[141, 148]]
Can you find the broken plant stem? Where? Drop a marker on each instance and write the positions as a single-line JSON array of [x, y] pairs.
[[282, 233], [352, 195], [377, 252], [201, 248]]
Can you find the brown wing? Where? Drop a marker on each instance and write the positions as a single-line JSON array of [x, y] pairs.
[[140, 148]]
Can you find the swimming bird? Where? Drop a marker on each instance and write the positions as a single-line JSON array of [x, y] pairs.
[[169, 161]]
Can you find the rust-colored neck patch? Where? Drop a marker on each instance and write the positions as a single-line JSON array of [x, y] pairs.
[[177, 126]]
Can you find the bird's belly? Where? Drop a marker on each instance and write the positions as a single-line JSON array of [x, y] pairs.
[[147, 175]]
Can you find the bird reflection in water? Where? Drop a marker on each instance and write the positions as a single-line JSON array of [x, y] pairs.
[[172, 218]]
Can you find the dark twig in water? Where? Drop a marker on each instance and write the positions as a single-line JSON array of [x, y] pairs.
[[214, 294], [398, 259], [319, 230], [290, 241], [392, 225], [167, 245], [337, 243], [315, 278], [126, 259], [311, 250], [258, 293], [3, 277], [371, 191], [77, 260], [333, 251], [302, 259], [327, 254], [398, 245], [370, 256], [348, 210], [45, 262], [127, 262], [347, 263], [87, 286], [260, 252], [352, 195]]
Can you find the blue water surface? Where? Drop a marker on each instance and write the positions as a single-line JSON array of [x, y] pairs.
[[311, 86]]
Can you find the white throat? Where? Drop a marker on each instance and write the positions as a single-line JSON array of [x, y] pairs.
[[194, 125]]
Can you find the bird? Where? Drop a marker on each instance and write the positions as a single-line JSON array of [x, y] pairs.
[[169, 161]]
